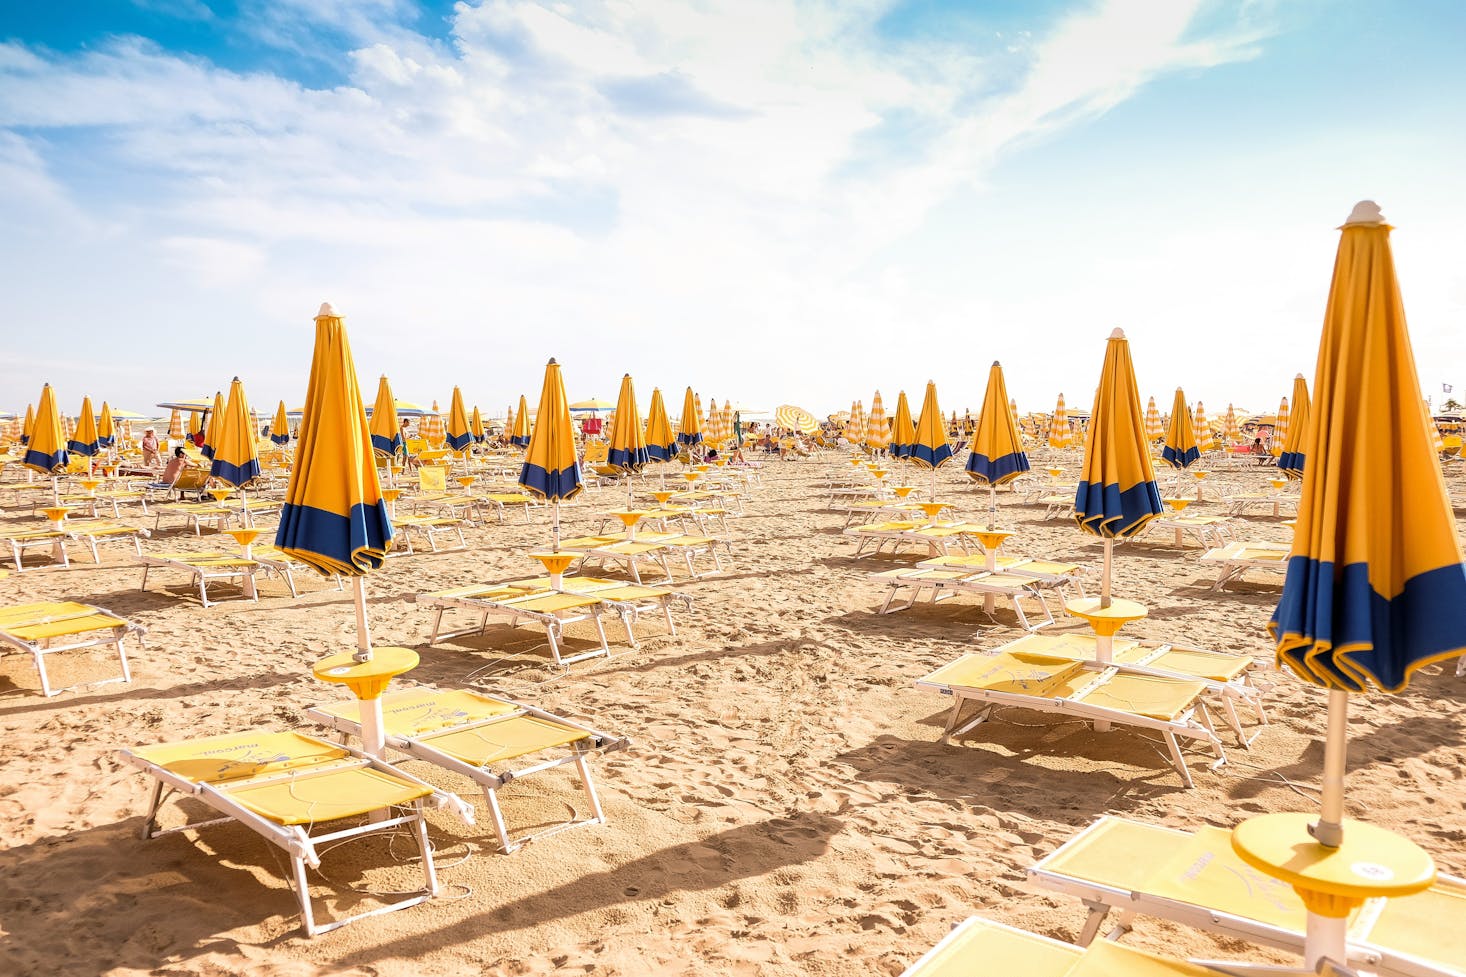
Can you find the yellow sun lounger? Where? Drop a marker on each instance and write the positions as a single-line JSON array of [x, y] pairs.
[[431, 527], [1086, 690], [283, 566], [552, 610], [979, 947], [944, 581], [1281, 503], [204, 567], [1238, 558], [281, 785], [1209, 531], [480, 737], [20, 540], [1194, 878], [1055, 575], [50, 627]]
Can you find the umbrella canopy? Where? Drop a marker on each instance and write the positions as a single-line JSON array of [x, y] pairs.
[[1205, 441], [84, 438], [476, 425], [1180, 449], [334, 518], [931, 449], [46, 450], [1117, 492], [1155, 428], [661, 443], [211, 431], [877, 431], [521, 429], [280, 426], [592, 406], [691, 432], [457, 433], [550, 469], [1230, 428], [855, 427], [628, 450], [1294, 453], [903, 431], [997, 452], [196, 424], [175, 425], [1280, 426], [30, 424], [796, 419], [189, 404], [386, 426], [431, 428], [106, 430], [1059, 435], [235, 459]]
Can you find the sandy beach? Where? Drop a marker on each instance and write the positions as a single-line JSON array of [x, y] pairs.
[[784, 808]]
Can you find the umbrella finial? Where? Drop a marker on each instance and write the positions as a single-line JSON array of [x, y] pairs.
[[327, 310], [552, 362], [1365, 212], [1117, 333], [996, 363], [1298, 377]]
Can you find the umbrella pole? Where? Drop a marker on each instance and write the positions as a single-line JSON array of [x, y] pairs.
[[992, 506], [1329, 830], [363, 626], [1105, 580]]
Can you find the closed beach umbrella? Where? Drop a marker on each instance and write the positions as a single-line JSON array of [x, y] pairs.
[[1059, 434], [877, 431], [431, 429], [1230, 429], [29, 425], [1280, 427], [280, 426], [46, 450], [84, 438], [386, 425], [236, 460], [196, 424], [725, 422], [211, 430], [1155, 428], [509, 419], [855, 427], [1180, 449], [661, 443], [1375, 586], [903, 431], [628, 450], [931, 449], [1117, 493], [997, 452], [1294, 450], [175, 425], [520, 437], [550, 468], [106, 429], [68, 427], [1205, 441], [457, 432], [691, 431], [476, 425]]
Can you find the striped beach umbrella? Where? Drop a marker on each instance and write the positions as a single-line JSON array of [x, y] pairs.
[[1180, 450], [431, 428], [1291, 461], [1375, 587], [661, 443], [280, 426], [628, 450], [68, 426], [690, 429], [877, 430], [457, 433], [211, 428], [793, 418], [175, 425], [855, 427], [83, 439], [1280, 427], [1059, 434], [1117, 493], [550, 469], [1205, 440], [106, 428], [1155, 428], [1231, 430]]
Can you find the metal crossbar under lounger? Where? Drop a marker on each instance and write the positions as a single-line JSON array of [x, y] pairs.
[[478, 736], [282, 784]]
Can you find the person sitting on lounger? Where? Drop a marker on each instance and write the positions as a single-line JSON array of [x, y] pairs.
[[175, 468]]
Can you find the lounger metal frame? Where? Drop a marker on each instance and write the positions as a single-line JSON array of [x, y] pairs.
[[114, 635]]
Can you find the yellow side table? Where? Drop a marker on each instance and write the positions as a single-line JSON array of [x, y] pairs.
[[1106, 621], [932, 510], [246, 538], [1370, 863], [629, 518], [992, 540], [367, 681], [555, 565]]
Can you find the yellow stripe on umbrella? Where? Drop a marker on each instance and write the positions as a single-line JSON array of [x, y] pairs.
[[1230, 429], [1059, 435], [431, 426], [175, 425], [877, 431], [1205, 441], [1155, 428]]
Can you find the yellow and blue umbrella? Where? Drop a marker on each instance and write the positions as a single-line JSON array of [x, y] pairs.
[[661, 443], [476, 425], [1059, 433], [550, 469], [280, 426], [1180, 449], [1117, 493], [84, 439], [691, 431], [106, 430], [520, 437], [903, 431], [628, 451], [931, 449], [997, 452], [211, 431], [46, 449], [1155, 428], [1294, 453], [1375, 587], [196, 424], [877, 429], [235, 459], [334, 518], [386, 429], [457, 433], [30, 424]]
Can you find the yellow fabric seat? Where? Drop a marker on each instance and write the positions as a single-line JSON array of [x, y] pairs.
[[42, 628]]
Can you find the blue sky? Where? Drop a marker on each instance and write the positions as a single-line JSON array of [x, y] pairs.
[[773, 202]]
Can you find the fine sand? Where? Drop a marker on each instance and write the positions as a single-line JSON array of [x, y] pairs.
[[784, 808]]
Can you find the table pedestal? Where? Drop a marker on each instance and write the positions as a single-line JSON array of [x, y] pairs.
[[991, 539], [1106, 621]]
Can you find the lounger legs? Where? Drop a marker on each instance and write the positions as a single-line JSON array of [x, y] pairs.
[[510, 844]]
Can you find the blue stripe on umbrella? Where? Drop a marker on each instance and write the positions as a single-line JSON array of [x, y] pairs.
[[991, 470], [360, 538], [1135, 505], [235, 474], [559, 484], [925, 454], [1180, 459]]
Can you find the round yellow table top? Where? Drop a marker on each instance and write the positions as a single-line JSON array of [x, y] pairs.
[[629, 517], [555, 562], [1372, 862], [369, 678], [993, 538], [90, 484], [931, 508], [662, 496], [245, 537], [1119, 613], [466, 480], [1278, 483], [903, 490], [879, 473], [1178, 504], [1055, 472], [56, 513], [391, 494]]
